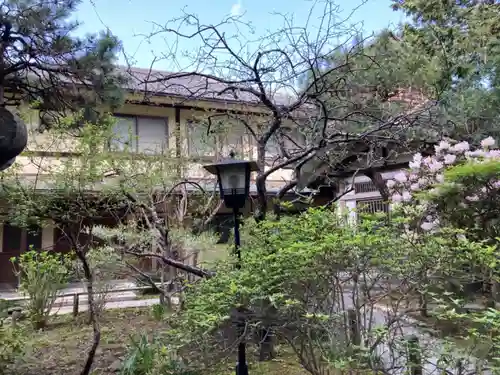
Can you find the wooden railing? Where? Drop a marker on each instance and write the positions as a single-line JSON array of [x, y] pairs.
[[76, 297]]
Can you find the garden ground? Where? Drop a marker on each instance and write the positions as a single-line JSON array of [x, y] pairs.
[[62, 347]]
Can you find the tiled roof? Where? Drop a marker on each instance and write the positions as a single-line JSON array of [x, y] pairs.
[[190, 85]]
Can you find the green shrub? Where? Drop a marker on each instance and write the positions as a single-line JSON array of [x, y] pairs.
[[11, 343], [43, 275], [150, 357], [158, 311]]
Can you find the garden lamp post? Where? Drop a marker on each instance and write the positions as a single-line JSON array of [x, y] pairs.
[[233, 177], [13, 137]]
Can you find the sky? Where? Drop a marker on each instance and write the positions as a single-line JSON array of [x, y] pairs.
[[132, 21]]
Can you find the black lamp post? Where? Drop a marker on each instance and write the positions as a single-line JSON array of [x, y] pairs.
[[234, 183], [13, 138]]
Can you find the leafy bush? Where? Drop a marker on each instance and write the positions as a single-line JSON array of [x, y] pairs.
[[43, 275], [300, 275], [158, 311], [150, 357], [11, 340]]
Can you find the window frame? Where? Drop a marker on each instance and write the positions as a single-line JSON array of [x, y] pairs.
[[136, 129]]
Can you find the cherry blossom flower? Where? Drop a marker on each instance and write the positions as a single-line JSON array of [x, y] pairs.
[[488, 142], [461, 147], [492, 154], [435, 166], [406, 196], [415, 187], [442, 146], [449, 159], [416, 162], [396, 198], [400, 177], [427, 226], [390, 183], [475, 154]]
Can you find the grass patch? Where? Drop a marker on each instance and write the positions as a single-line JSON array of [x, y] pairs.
[[61, 349]]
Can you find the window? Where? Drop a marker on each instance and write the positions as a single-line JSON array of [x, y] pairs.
[[14, 240], [147, 135], [199, 142], [235, 139], [364, 187], [11, 239], [293, 140], [372, 206]]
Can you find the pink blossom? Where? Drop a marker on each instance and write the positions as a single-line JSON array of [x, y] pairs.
[[496, 184], [492, 154], [442, 146], [414, 187], [416, 162], [390, 183], [449, 159], [427, 226], [475, 154], [413, 177], [440, 178], [396, 198], [406, 196], [400, 177], [488, 142], [461, 147], [435, 166]]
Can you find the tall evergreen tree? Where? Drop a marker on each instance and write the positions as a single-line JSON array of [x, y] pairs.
[[41, 61], [458, 43]]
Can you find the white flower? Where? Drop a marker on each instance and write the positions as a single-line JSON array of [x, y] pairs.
[[396, 198], [416, 162], [390, 183], [435, 166], [496, 184], [472, 198], [488, 142], [413, 177], [492, 154], [427, 226], [443, 145], [406, 196], [414, 165], [440, 178], [414, 187], [428, 160], [475, 154], [449, 158], [400, 177], [461, 147]]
